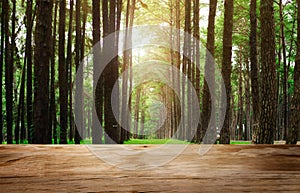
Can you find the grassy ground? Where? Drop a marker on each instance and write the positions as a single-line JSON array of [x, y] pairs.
[[240, 142], [172, 141], [155, 141], [159, 141]]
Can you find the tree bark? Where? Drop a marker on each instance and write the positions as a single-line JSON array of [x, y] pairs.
[[110, 25], [131, 19], [177, 113], [79, 87], [240, 98], [268, 102], [226, 68], [294, 127], [126, 54], [3, 11], [197, 59], [20, 114], [69, 70], [96, 131], [8, 76], [41, 64], [186, 70], [137, 112], [52, 116], [62, 72], [82, 54], [255, 87], [247, 99], [209, 70], [285, 72], [28, 51]]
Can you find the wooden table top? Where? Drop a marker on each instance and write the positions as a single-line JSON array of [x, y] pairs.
[[224, 168]]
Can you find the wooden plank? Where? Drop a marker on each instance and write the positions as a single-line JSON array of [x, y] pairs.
[[225, 168]]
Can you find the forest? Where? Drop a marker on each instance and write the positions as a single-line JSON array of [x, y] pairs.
[[115, 71]]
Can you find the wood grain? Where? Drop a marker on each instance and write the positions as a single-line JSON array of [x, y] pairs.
[[225, 168]]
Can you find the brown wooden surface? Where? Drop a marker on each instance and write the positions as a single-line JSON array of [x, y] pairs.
[[225, 168]]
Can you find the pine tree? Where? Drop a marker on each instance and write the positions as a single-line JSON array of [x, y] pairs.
[[268, 101], [41, 72]]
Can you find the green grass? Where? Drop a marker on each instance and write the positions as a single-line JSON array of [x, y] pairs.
[[155, 141], [160, 141], [14, 142], [173, 141], [147, 141], [240, 142]]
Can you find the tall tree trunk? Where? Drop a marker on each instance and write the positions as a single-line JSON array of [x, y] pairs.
[[89, 119], [294, 127], [3, 13], [240, 98], [69, 69], [172, 53], [169, 108], [233, 123], [268, 93], [209, 70], [226, 68], [11, 70], [285, 73], [119, 6], [41, 61], [125, 119], [13, 62], [137, 112], [20, 115], [291, 48], [172, 73], [177, 113], [247, 99], [97, 132], [110, 25], [187, 62], [197, 58], [279, 128], [255, 94], [22, 100], [124, 106], [8, 75], [131, 19], [185, 68], [52, 116], [23, 126], [62, 74], [106, 31], [28, 51], [79, 87], [82, 52], [143, 116]]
